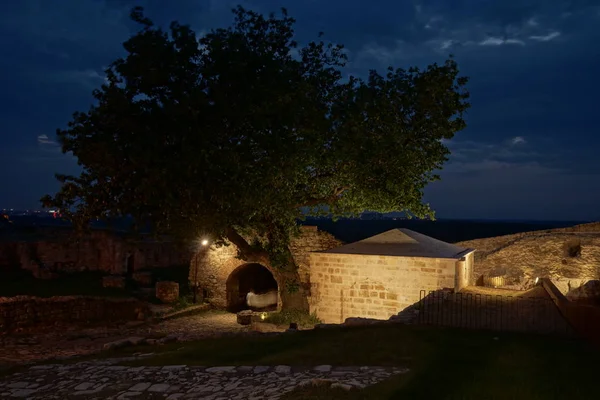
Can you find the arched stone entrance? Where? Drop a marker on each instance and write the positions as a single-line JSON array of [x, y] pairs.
[[246, 278]]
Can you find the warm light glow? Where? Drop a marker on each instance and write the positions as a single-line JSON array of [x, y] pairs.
[[537, 280], [263, 316], [204, 242]]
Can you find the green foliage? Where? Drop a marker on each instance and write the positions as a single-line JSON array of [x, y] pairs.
[[183, 302], [231, 132], [302, 318], [292, 286]]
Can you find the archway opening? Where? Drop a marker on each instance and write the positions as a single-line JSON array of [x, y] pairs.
[[253, 278]]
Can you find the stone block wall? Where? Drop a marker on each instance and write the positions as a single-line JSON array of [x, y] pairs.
[[309, 241], [113, 281], [210, 269], [23, 312], [143, 278], [60, 250], [167, 292], [345, 285], [211, 266], [9, 256]]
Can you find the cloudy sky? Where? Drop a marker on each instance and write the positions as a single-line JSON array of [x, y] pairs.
[[530, 149]]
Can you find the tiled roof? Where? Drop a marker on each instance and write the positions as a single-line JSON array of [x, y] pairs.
[[402, 243]]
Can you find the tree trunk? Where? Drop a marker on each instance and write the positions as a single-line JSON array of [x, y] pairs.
[[293, 293]]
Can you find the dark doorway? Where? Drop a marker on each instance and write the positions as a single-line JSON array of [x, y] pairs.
[[129, 262], [248, 278]]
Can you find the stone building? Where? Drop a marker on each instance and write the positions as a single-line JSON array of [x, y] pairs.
[[380, 276], [224, 280], [58, 250]]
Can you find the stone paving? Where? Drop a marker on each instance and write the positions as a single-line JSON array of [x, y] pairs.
[[107, 380], [67, 341]]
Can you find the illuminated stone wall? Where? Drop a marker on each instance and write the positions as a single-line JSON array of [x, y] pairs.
[[349, 285], [212, 266], [523, 257], [464, 272]]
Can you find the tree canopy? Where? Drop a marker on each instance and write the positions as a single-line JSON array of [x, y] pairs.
[[244, 130]]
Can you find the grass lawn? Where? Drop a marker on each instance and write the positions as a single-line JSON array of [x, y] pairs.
[[445, 363]]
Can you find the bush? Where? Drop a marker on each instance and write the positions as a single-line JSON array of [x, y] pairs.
[[572, 248], [182, 303], [303, 319]]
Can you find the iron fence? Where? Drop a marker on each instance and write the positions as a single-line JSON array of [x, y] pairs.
[[493, 281], [491, 312]]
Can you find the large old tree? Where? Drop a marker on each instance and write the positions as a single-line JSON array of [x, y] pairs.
[[244, 131]]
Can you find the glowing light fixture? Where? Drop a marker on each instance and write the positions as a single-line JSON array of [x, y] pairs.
[[263, 316], [204, 242], [537, 280]]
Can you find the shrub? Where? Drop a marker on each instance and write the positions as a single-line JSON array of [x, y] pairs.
[[572, 248], [182, 302], [303, 319]]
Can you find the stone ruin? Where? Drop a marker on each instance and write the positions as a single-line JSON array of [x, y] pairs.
[[25, 312], [54, 250], [225, 281]]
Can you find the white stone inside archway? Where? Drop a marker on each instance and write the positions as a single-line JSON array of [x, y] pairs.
[[251, 277]]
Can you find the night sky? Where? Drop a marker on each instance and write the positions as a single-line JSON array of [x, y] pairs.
[[531, 147]]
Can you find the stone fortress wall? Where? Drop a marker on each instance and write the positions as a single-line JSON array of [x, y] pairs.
[[23, 312], [59, 250]]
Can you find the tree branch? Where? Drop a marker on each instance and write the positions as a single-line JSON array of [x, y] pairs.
[[312, 201], [246, 251]]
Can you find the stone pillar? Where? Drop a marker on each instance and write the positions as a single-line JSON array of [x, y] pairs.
[[470, 273], [461, 277]]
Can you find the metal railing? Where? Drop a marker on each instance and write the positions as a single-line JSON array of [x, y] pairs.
[[493, 281], [491, 312]]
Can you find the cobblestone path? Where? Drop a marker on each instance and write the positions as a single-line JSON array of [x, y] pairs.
[[69, 341], [105, 380]]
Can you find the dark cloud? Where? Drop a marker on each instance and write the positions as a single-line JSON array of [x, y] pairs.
[[528, 151]]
